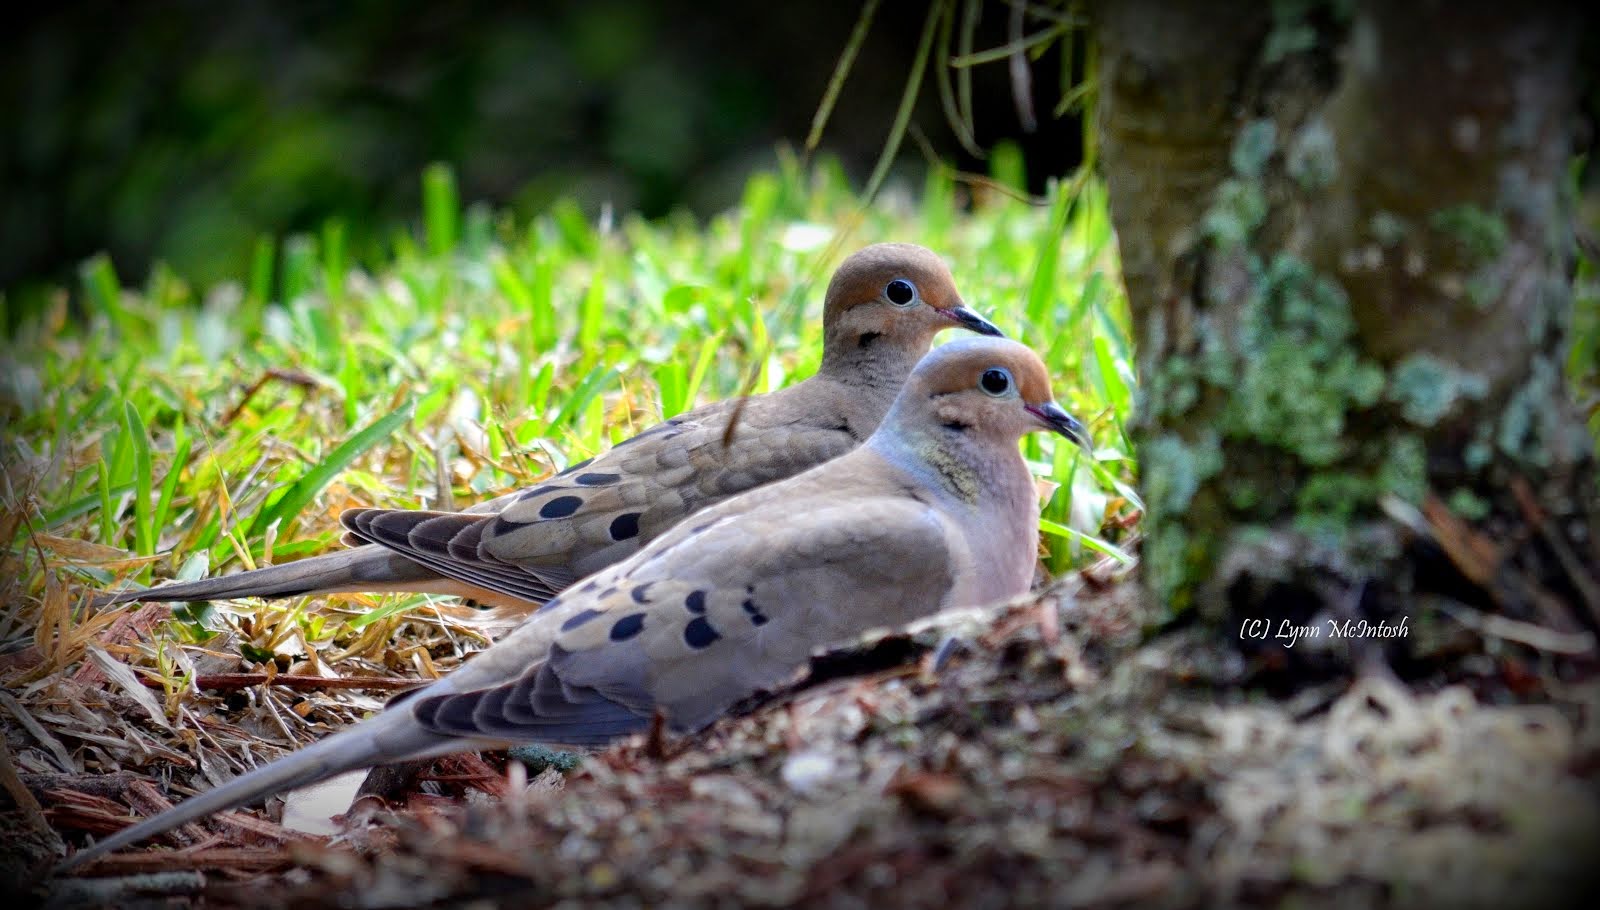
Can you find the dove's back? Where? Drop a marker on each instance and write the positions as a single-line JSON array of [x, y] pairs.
[[534, 543]]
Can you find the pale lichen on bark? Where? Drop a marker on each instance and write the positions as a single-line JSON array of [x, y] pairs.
[[1347, 258]]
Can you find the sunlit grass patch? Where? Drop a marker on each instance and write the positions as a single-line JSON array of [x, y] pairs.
[[183, 429]]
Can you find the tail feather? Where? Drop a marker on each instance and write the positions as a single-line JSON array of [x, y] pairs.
[[389, 737], [365, 568]]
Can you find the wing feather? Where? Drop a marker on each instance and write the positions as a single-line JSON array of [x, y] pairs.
[[707, 616]]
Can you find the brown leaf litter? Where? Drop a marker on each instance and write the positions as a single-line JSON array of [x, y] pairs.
[[1037, 754]]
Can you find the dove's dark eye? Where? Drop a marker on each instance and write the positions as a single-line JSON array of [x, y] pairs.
[[995, 381], [901, 292]]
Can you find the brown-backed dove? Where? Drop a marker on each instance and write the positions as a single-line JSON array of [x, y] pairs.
[[883, 307], [937, 510]]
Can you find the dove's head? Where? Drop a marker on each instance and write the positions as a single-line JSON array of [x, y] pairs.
[[984, 389], [893, 296]]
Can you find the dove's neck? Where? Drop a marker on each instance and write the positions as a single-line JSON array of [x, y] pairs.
[[873, 364], [960, 464], [863, 381], [985, 485]]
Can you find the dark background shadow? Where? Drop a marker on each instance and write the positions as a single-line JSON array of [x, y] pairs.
[[183, 131]]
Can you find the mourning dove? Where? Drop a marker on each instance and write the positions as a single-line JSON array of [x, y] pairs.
[[936, 510], [883, 307]]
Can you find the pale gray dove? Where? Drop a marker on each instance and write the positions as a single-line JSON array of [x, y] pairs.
[[883, 307], [936, 510]]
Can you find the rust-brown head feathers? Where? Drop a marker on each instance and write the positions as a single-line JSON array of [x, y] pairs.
[[990, 382], [899, 290]]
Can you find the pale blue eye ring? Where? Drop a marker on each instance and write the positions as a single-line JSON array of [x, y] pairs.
[[996, 381], [900, 292]]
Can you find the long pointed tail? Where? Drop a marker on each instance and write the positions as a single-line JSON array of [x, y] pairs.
[[389, 737], [365, 568]]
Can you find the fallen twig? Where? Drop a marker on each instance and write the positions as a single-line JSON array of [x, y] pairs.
[[111, 892], [1535, 515], [243, 859], [113, 784], [292, 377], [142, 795], [13, 785], [228, 681], [1504, 627]]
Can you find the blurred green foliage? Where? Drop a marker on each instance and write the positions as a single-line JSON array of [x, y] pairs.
[[487, 351], [191, 129], [193, 133]]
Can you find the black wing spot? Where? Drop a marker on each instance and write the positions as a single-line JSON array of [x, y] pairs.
[[597, 479], [560, 507], [627, 627], [579, 618], [625, 526], [696, 602], [699, 634], [641, 594], [536, 492], [504, 525], [757, 618]]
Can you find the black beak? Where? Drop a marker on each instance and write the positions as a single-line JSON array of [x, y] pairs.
[[969, 319], [1051, 415]]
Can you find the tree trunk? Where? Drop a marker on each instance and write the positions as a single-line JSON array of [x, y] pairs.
[[1345, 235]]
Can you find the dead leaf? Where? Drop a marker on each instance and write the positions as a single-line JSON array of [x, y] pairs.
[[85, 551], [121, 674]]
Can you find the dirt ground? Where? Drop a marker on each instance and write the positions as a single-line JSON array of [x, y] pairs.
[[1039, 754]]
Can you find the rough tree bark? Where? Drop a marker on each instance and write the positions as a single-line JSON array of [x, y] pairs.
[[1346, 241]]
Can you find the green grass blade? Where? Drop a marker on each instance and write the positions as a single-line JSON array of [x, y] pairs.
[[841, 71], [394, 608], [1007, 167], [144, 535], [1094, 543], [334, 241], [300, 270], [101, 498], [288, 506], [962, 126], [104, 292], [1041, 300], [592, 315], [108, 521], [441, 208], [511, 284], [996, 54], [672, 385], [592, 383], [970, 11], [263, 262], [169, 484], [702, 364], [1113, 376], [908, 101]]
